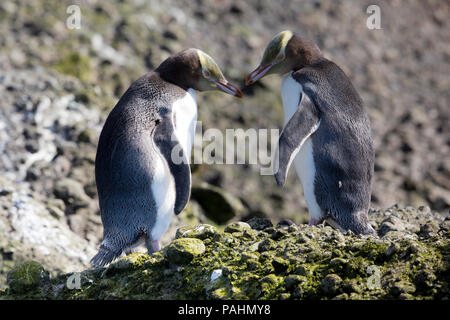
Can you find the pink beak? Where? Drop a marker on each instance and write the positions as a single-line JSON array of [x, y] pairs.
[[229, 88], [258, 74]]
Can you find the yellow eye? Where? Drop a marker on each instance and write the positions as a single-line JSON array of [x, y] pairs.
[[206, 73]]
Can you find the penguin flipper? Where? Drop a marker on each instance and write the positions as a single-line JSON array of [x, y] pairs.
[[302, 124], [169, 146]]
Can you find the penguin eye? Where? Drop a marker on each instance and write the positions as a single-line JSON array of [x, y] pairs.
[[206, 73], [280, 56]]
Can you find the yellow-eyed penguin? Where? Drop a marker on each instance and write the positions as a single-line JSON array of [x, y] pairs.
[[326, 133], [142, 164]]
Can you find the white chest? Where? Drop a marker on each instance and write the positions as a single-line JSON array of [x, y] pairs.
[[304, 160], [163, 185], [185, 116], [184, 113], [163, 190], [290, 94]]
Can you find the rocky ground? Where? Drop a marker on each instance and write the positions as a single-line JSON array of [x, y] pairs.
[[256, 260], [58, 85]]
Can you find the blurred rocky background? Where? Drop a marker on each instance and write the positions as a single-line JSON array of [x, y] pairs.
[[57, 86]]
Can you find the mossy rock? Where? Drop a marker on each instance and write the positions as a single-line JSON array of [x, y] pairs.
[[26, 276], [183, 250], [238, 226], [201, 231], [306, 263], [331, 284]]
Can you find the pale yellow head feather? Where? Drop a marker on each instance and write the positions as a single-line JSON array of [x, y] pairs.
[[210, 69], [276, 47]]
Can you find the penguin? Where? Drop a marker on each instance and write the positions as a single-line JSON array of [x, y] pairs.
[[326, 133], [142, 162]]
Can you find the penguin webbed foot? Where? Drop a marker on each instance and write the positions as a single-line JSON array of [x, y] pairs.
[[128, 251], [152, 246], [315, 222]]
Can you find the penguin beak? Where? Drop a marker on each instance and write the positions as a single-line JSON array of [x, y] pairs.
[[227, 87], [258, 74]]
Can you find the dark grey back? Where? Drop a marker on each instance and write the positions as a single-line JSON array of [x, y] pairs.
[[342, 145], [126, 151]]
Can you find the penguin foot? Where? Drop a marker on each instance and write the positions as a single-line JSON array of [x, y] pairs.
[[129, 251], [152, 246], [285, 223], [315, 222], [155, 245]]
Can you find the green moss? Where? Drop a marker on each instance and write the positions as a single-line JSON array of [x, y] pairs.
[[26, 276], [259, 267], [74, 64], [237, 227], [183, 250]]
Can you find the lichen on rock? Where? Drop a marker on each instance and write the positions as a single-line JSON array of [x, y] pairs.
[[301, 262], [183, 250]]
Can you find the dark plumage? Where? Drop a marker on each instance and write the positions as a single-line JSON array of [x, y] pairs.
[[342, 146], [123, 165], [329, 114], [139, 182]]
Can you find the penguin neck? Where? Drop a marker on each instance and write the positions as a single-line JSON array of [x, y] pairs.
[[307, 61], [184, 113]]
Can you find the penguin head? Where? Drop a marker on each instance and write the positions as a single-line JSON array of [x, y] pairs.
[[192, 68], [285, 52]]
